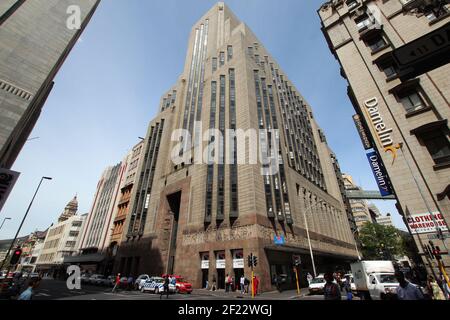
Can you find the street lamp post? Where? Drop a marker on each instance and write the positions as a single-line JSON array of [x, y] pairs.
[[23, 220], [309, 239], [4, 222], [356, 244]]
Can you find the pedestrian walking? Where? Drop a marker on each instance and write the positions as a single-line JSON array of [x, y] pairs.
[[165, 288], [331, 290], [214, 284], [130, 283], [255, 285], [116, 283], [309, 278], [28, 293], [278, 282], [348, 288], [434, 289], [246, 285], [228, 281], [242, 283], [407, 290]]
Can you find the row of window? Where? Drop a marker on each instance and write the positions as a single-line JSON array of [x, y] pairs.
[[274, 184], [141, 203], [302, 156]]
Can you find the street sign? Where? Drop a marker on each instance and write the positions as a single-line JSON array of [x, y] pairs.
[[8, 179], [424, 54], [380, 174], [279, 240]]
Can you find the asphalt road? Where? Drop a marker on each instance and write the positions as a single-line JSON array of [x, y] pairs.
[[55, 290]]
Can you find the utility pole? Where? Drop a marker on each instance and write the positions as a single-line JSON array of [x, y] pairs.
[[21, 224]]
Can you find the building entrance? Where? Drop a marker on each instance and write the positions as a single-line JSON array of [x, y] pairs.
[[221, 278], [205, 278], [174, 201]]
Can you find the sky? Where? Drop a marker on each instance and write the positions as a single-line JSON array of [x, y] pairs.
[[110, 86]]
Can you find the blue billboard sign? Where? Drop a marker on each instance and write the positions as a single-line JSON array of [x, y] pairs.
[[380, 174]]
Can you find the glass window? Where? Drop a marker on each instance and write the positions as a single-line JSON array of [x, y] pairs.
[[351, 4], [376, 43], [214, 64], [438, 146], [230, 52], [222, 58], [363, 22], [411, 101]]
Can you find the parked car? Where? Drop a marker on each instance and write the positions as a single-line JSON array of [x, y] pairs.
[[140, 281], [156, 285], [108, 281], [93, 280], [98, 280], [85, 278], [317, 284], [182, 286], [34, 275]]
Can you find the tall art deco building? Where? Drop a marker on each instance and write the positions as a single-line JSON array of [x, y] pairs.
[[203, 220]]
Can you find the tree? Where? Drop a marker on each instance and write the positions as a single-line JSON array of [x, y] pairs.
[[380, 242]]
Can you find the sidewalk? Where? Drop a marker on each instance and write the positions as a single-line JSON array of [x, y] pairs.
[[272, 295]]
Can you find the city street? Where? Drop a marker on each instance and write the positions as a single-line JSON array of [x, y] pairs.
[[57, 290]]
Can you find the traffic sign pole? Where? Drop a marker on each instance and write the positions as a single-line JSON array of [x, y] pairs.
[[296, 278]]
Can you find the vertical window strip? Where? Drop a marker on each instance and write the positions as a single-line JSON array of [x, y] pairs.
[[196, 88], [198, 134], [258, 100], [221, 167], [233, 166], [210, 170], [140, 195]]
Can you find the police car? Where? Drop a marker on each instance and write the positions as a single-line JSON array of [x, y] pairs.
[[156, 285]]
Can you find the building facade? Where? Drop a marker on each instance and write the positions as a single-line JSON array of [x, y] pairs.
[[201, 219], [401, 94], [34, 43], [61, 241], [359, 207], [31, 249], [123, 205], [385, 220]]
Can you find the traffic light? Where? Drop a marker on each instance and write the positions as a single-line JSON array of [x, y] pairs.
[[250, 260], [255, 261], [16, 256], [437, 253]]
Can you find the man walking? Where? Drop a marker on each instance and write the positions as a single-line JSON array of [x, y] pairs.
[[407, 290], [331, 290], [28, 293], [166, 287], [348, 287]]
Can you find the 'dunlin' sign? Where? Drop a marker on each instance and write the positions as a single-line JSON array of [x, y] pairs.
[[380, 174]]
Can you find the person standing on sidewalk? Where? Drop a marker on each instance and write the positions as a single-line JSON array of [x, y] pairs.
[[117, 283], [165, 287], [309, 278], [434, 289], [348, 287], [406, 290], [214, 284], [331, 290], [242, 283]]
